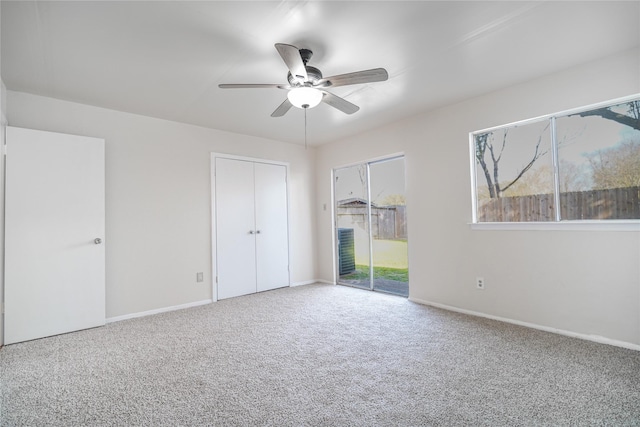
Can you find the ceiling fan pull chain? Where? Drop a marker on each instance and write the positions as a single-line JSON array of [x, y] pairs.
[[305, 128]]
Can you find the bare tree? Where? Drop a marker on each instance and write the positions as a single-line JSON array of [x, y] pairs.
[[362, 174], [573, 177], [627, 114], [631, 118], [617, 166], [484, 143]]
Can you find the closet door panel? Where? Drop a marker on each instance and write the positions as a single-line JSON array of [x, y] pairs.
[[235, 225], [272, 241]]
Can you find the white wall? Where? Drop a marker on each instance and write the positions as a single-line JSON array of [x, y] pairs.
[[3, 123], [158, 198], [584, 282]]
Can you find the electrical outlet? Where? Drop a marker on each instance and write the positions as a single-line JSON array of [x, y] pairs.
[[199, 277], [479, 283]]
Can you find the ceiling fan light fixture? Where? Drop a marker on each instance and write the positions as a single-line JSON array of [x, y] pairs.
[[304, 97], [307, 87]]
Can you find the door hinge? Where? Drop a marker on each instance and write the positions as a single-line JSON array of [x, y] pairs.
[[4, 149], [216, 280]]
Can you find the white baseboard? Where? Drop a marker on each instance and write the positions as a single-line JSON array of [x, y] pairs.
[[306, 282], [311, 282], [328, 282], [594, 338], [158, 310]]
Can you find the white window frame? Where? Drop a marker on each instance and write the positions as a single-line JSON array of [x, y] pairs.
[[558, 224]]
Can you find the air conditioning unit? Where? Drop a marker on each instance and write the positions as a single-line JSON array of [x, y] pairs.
[[346, 251]]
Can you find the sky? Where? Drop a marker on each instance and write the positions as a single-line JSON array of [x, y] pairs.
[[588, 134], [387, 178]]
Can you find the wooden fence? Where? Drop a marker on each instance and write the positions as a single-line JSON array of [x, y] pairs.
[[387, 222], [615, 203]]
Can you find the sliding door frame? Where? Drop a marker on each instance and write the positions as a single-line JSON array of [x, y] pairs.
[[334, 220]]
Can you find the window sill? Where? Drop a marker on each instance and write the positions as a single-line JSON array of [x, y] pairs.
[[619, 225]]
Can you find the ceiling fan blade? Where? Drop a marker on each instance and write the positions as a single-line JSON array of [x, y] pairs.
[[282, 109], [291, 56], [366, 76], [339, 103], [252, 86]]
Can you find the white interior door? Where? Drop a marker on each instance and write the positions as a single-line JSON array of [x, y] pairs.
[[235, 228], [272, 241], [54, 267]]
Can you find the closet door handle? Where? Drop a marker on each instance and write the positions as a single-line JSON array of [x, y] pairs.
[[251, 232], [257, 231]]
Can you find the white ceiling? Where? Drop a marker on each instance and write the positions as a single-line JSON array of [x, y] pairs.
[[166, 59]]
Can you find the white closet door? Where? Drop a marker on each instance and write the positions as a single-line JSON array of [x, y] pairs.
[[272, 242], [54, 267], [235, 228]]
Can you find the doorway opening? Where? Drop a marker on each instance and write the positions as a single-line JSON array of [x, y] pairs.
[[371, 226]]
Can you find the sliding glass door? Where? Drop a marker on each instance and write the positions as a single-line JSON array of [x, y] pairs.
[[389, 227], [352, 226], [371, 226]]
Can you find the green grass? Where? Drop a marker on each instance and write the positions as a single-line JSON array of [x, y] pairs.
[[389, 260], [362, 273]]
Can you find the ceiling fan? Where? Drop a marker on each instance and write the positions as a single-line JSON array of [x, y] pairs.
[[306, 85]]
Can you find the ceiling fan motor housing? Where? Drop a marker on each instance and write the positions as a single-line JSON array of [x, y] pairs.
[[312, 72], [306, 55]]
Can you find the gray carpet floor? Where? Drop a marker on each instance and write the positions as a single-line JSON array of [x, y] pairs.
[[316, 355]]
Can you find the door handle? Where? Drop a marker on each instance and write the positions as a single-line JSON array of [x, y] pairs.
[[251, 232], [257, 231], [97, 240]]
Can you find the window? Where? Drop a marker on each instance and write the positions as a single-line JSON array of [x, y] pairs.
[[577, 165], [514, 174]]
